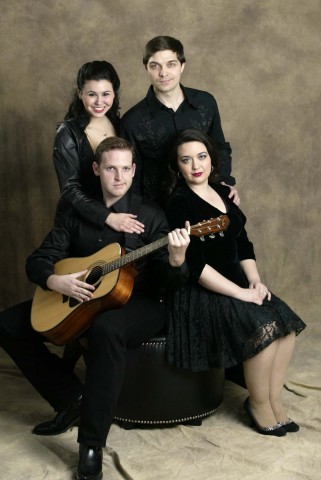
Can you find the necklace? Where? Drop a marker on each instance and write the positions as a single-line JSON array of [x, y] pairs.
[[96, 133]]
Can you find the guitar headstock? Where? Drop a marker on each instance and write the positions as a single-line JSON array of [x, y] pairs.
[[210, 227]]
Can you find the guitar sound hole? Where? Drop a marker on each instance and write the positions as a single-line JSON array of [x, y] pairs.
[[94, 275]]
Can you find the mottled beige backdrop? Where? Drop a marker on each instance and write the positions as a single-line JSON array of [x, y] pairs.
[[261, 60]]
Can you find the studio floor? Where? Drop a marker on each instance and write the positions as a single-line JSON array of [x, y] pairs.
[[224, 447]]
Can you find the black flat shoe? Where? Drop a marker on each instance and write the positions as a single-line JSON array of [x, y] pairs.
[[276, 430], [63, 421], [290, 426], [90, 463]]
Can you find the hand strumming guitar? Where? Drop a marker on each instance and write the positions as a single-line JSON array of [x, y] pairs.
[[70, 286]]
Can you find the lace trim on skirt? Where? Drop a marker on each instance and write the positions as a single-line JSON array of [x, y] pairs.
[[206, 329]]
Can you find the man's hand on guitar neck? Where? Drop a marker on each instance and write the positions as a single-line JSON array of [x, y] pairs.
[[178, 241], [70, 286]]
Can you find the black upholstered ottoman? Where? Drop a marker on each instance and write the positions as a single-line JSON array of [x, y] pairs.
[[157, 394]]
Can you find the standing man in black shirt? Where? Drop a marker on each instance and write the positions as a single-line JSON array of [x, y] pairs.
[[167, 109], [111, 332]]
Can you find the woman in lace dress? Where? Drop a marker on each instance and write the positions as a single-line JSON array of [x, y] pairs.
[[225, 314]]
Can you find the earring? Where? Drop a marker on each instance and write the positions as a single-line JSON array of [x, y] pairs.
[[212, 168], [179, 175]]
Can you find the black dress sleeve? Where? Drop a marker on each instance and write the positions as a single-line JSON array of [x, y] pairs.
[[177, 213], [163, 275]]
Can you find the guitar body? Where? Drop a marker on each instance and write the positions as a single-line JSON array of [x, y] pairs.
[[62, 319]]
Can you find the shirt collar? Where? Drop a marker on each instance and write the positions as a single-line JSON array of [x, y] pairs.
[[155, 104], [122, 205]]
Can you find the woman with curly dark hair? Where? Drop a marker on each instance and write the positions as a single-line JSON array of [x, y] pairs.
[[92, 116], [225, 315]]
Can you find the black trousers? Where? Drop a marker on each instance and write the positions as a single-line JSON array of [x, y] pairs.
[[109, 336]]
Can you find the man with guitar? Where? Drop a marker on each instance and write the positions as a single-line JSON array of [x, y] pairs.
[[69, 294]]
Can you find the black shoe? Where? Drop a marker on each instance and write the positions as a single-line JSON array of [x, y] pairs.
[[65, 419], [90, 463], [276, 430], [290, 426]]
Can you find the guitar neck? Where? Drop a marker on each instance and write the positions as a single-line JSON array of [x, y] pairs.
[[201, 229], [134, 255]]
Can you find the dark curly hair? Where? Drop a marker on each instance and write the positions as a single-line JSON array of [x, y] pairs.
[[189, 135], [96, 70]]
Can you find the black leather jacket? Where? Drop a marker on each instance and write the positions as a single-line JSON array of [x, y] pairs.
[[73, 158]]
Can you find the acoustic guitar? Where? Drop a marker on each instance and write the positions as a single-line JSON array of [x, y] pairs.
[[61, 319]]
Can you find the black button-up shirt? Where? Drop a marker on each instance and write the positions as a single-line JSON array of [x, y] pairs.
[[73, 236], [150, 126]]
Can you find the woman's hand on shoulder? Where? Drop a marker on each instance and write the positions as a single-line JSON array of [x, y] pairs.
[[178, 241], [125, 222]]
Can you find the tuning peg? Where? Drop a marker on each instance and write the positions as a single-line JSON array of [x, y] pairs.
[[221, 234], [202, 238], [212, 235]]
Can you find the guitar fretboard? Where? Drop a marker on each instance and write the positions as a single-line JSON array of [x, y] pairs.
[[204, 228], [134, 255]]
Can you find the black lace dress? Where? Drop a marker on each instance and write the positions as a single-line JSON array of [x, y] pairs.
[[206, 328]]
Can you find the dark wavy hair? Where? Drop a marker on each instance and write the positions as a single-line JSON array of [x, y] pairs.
[[96, 70], [163, 42], [189, 135]]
